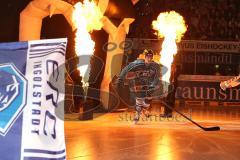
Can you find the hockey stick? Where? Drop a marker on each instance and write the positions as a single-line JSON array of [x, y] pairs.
[[216, 128]]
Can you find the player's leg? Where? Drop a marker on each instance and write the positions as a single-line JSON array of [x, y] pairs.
[[140, 105], [147, 110], [137, 113]]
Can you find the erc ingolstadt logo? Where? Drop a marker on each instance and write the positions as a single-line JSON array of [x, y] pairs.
[[13, 89]]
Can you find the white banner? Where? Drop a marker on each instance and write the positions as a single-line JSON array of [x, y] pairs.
[[43, 130]]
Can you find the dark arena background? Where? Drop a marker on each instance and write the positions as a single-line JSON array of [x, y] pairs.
[[208, 54]]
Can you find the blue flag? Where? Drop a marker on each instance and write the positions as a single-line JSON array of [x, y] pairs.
[[31, 91]]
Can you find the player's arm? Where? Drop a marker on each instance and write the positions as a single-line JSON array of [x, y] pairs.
[[126, 70], [155, 82], [233, 82]]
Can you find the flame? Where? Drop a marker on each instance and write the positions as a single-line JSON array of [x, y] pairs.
[[86, 17], [170, 26]]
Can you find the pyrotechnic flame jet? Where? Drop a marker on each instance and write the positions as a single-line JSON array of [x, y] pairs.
[[170, 26], [87, 17]]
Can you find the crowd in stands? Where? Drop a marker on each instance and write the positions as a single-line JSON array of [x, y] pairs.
[[206, 19], [214, 20]]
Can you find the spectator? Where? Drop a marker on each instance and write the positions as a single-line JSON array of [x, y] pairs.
[[206, 20]]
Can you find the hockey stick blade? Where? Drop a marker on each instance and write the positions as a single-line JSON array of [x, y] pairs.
[[211, 128], [216, 128]]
